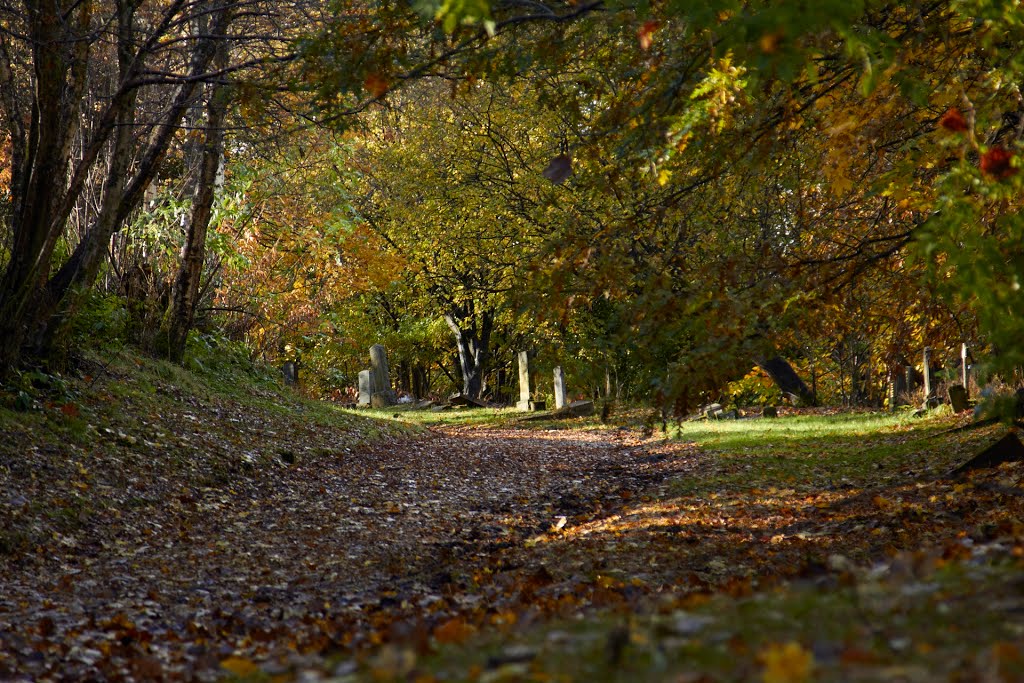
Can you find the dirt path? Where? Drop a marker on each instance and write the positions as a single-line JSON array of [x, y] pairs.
[[425, 540], [318, 557]]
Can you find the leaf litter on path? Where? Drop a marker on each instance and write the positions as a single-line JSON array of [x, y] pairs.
[[392, 551]]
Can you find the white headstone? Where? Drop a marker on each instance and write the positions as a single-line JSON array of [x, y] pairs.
[[560, 398], [365, 387], [524, 382]]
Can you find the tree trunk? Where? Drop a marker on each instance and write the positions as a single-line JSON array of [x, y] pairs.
[[783, 374], [185, 293], [472, 338], [46, 187], [38, 186], [121, 199]]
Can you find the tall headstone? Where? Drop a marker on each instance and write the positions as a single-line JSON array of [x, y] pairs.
[[524, 381], [381, 379], [290, 370], [965, 370], [892, 391], [365, 388], [927, 373], [560, 398]]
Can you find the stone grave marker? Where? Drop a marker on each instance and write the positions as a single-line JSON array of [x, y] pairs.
[[958, 398], [965, 370], [524, 382], [381, 379], [365, 388], [290, 370], [927, 374], [580, 408], [560, 396]]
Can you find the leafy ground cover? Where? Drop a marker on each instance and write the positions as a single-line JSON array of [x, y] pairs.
[[172, 525]]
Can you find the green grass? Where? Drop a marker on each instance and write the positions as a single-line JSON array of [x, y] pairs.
[[469, 417], [813, 449]]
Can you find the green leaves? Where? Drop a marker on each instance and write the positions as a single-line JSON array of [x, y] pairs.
[[455, 13]]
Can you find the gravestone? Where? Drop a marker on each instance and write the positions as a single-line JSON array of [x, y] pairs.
[[927, 374], [381, 379], [770, 411], [580, 408], [290, 370], [965, 370], [365, 388], [958, 398], [560, 397], [524, 382], [381, 399]]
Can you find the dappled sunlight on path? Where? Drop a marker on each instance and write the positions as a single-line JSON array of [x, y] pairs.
[[438, 536]]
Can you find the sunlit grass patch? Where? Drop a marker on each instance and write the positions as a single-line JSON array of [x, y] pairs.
[[452, 416], [852, 449], [769, 433]]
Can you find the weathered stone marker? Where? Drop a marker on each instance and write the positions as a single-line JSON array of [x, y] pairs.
[[927, 374], [965, 371], [290, 370], [379, 368], [524, 382], [381, 393], [560, 397], [365, 388], [580, 408], [958, 398]]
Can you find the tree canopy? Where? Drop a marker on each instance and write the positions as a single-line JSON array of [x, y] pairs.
[[666, 194]]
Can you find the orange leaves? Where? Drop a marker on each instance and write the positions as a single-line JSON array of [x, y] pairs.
[[953, 121], [997, 163], [376, 84], [645, 34], [454, 631]]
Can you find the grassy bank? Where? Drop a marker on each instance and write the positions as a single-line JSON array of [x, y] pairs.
[[122, 432]]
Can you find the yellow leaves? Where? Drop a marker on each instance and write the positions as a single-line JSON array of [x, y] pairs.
[[882, 503], [786, 663], [239, 666]]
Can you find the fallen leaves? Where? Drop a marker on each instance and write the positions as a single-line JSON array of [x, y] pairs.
[[786, 663], [189, 550]]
